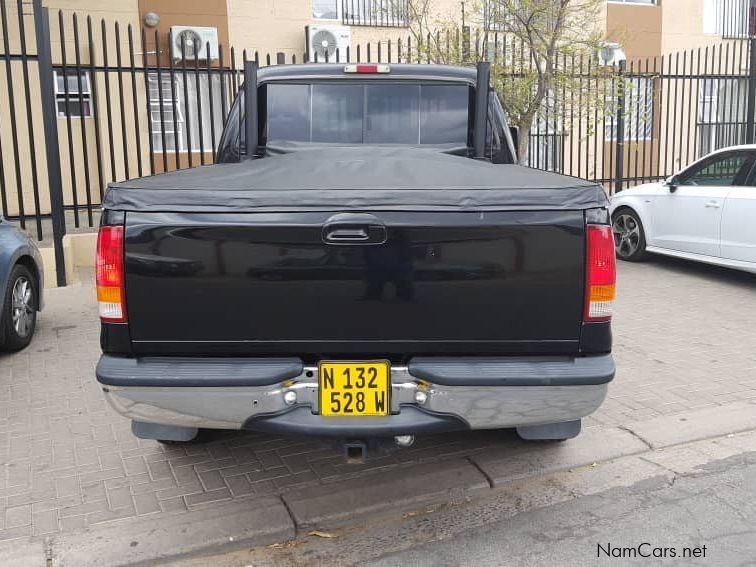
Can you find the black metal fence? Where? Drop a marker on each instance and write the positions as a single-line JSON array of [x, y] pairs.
[[29, 166], [109, 102], [643, 120]]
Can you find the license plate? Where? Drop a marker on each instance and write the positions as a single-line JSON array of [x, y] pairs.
[[354, 388]]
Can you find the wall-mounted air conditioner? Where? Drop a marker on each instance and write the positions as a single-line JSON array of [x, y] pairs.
[[194, 40], [610, 54], [328, 43]]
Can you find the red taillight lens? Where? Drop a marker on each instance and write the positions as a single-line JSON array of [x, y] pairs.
[[110, 291], [601, 273]]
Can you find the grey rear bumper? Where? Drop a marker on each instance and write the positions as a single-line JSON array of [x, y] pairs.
[[475, 393]]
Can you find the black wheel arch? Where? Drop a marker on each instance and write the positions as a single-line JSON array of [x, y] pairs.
[[629, 208], [637, 215]]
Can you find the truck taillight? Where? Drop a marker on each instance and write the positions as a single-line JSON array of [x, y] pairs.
[[110, 289], [367, 69], [601, 275]]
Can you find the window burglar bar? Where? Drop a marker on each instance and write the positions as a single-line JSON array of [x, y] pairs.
[[168, 113], [375, 13], [730, 18], [70, 100], [163, 107]]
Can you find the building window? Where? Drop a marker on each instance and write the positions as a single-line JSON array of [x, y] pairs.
[[173, 111], [326, 9], [547, 139], [722, 105], [71, 101], [376, 13], [639, 111], [730, 18]]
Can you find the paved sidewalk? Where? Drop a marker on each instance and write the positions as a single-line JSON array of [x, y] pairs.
[[694, 494], [684, 340]]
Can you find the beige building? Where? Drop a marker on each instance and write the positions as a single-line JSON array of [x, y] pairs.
[[111, 121]]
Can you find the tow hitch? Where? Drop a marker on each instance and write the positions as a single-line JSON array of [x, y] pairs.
[[356, 450]]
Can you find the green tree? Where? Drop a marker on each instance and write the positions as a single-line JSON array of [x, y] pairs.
[[547, 40]]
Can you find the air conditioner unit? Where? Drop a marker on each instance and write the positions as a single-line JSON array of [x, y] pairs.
[[611, 54], [194, 40], [328, 43]]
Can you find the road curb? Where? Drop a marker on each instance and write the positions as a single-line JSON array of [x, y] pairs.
[[240, 524], [696, 425], [26, 552], [591, 446], [332, 505]]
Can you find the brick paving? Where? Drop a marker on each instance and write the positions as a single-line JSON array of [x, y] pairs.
[[684, 339]]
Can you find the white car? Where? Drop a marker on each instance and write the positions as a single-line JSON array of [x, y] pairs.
[[706, 212]]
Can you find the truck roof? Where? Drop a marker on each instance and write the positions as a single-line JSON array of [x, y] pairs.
[[337, 71]]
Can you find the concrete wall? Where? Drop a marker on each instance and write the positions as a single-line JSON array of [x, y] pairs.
[[682, 21], [637, 27], [666, 27], [251, 25]]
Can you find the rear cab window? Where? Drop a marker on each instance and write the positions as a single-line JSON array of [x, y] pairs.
[[400, 112], [367, 114]]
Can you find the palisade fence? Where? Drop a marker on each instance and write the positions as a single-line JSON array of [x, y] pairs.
[[95, 101]]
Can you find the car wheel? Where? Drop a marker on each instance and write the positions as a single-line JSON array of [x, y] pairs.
[[629, 236], [19, 316]]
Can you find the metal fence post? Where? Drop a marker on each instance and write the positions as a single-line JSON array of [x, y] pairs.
[[465, 44], [620, 132], [250, 107], [50, 125], [481, 108], [751, 103]]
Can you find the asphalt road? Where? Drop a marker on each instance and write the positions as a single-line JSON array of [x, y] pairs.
[[712, 514]]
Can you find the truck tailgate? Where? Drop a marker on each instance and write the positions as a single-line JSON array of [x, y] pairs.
[[380, 283]]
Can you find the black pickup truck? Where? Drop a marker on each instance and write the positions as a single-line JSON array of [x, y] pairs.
[[367, 261]]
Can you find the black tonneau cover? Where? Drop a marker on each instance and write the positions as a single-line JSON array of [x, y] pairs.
[[362, 178]]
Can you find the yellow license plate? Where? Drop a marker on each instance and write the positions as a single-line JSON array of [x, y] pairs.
[[355, 388]]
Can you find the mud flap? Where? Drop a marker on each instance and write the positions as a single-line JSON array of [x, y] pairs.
[[145, 430], [550, 431]]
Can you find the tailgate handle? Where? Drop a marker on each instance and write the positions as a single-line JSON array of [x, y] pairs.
[[334, 234], [354, 228], [354, 234]]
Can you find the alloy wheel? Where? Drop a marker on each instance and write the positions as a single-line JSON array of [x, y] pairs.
[[627, 235], [22, 309]]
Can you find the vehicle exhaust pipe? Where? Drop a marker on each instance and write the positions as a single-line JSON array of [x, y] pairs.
[[356, 451], [481, 109], [250, 108]]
